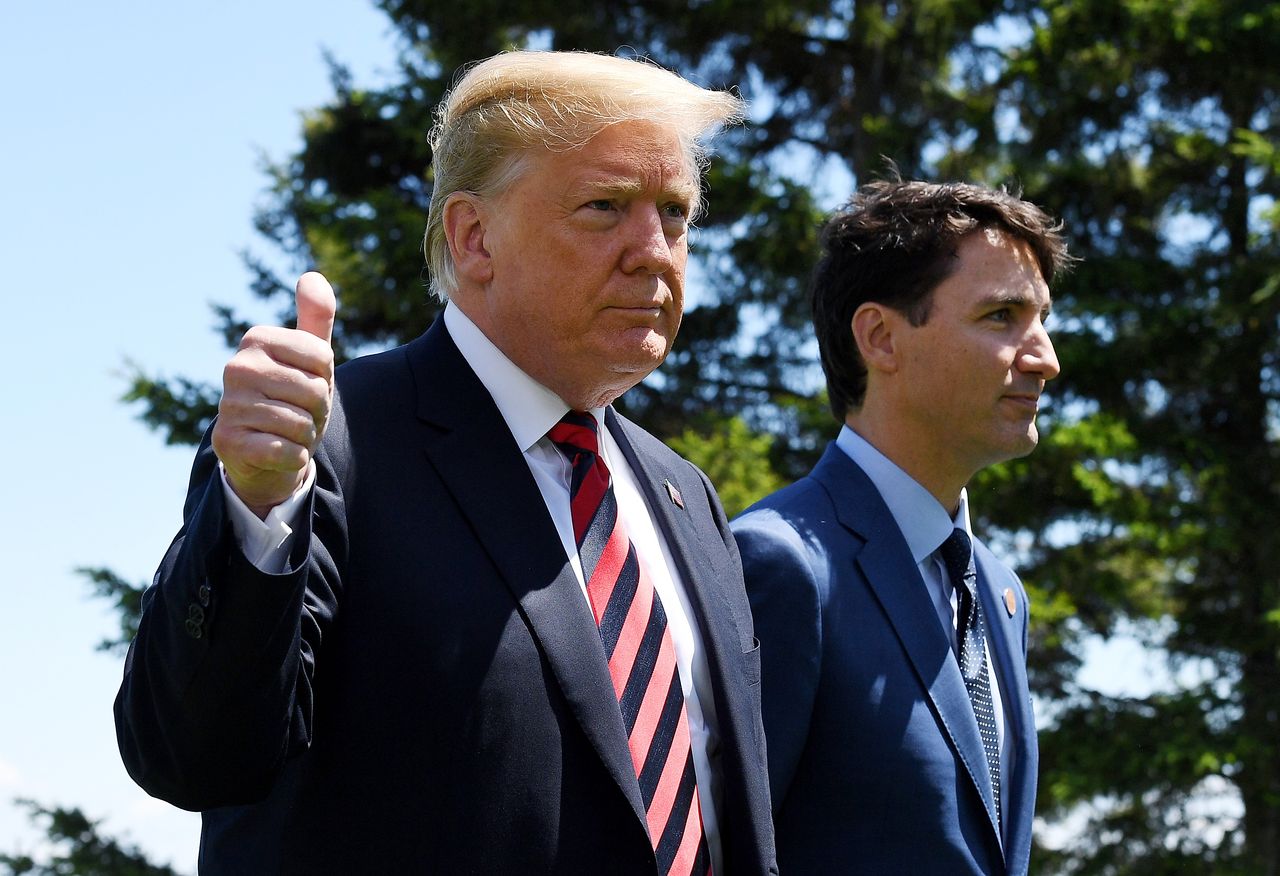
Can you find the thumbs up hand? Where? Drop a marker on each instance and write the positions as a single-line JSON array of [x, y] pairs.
[[277, 391], [316, 306]]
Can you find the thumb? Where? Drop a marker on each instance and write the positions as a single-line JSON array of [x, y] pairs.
[[316, 305]]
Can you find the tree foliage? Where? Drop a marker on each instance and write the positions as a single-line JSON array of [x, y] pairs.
[[126, 598], [1148, 125], [733, 457], [78, 850]]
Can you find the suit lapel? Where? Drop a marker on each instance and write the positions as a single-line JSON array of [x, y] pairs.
[[1004, 640], [706, 578], [697, 565], [889, 570], [476, 457]]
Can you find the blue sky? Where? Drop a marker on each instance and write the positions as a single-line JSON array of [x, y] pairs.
[[129, 167]]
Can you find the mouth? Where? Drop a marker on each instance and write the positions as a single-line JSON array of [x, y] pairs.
[[640, 312], [1026, 401]]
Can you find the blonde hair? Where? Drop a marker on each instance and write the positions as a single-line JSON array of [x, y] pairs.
[[515, 102]]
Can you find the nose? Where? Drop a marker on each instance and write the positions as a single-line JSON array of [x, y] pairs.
[[1037, 355], [648, 248]]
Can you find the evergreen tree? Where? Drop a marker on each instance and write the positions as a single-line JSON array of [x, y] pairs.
[[1149, 125], [1151, 128], [79, 850]]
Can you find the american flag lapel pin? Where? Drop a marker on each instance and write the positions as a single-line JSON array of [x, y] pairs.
[[674, 494]]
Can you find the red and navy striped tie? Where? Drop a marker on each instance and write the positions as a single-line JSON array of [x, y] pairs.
[[642, 659]]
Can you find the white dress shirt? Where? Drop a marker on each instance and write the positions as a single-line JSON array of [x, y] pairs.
[[925, 525], [530, 410]]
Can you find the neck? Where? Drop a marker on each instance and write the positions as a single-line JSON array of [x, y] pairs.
[[578, 394], [925, 461]]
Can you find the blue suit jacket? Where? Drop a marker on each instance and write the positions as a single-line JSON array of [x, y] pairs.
[[875, 761], [425, 691]]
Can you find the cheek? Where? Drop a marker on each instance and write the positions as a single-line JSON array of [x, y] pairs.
[[675, 284], [675, 276], [676, 319]]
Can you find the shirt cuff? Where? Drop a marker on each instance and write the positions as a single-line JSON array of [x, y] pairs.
[[266, 543]]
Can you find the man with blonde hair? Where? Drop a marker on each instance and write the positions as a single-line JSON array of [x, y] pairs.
[[444, 610]]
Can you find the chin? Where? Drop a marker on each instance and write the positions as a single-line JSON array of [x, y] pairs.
[[1010, 446], [1024, 445], [639, 356]]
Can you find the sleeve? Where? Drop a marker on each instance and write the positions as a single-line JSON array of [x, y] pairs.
[[784, 591], [218, 687], [266, 543]]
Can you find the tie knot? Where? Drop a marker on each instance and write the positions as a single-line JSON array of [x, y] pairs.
[[957, 553], [576, 433]]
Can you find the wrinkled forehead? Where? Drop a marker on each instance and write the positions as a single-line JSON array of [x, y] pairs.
[[638, 142], [644, 149], [625, 158]]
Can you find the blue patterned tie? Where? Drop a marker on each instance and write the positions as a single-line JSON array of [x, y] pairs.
[[957, 553]]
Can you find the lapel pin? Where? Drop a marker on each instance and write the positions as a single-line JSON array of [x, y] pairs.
[[1010, 604], [674, 494]]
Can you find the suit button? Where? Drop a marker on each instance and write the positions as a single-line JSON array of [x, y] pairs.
[[193, 629], [195, 614], [202, 595]]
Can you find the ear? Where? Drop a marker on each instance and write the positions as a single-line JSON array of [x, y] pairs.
[[464, 229], [873, 327]]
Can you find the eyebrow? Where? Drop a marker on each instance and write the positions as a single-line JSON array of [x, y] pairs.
[[1010, 299], [622, 184]]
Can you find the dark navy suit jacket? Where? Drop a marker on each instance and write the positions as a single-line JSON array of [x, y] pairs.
[[875, 760], [426, 691]]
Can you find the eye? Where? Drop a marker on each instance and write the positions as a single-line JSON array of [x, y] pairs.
[[602, 204], [675, 210], [1004, 314]]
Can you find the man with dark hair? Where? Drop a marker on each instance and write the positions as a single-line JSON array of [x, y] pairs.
[[443, 610], [896, 708]]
